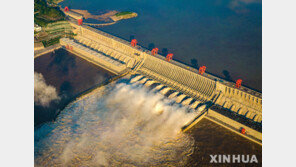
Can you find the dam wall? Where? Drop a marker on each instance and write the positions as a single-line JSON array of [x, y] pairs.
[[204, 87], [183, 80], [104, 61], [94, 36], [240, 101], [174, 79], [180, 77]]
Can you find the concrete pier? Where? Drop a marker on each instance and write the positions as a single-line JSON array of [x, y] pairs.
[[136, 78], [165, 90], [187, 101], [180, 98], [149, 83], [173, 95], [195, 104], [158, 87], [142, 81]]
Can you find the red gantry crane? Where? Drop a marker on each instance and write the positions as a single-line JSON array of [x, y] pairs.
[[202, 70], [134, 42], [66, 9], [154, 51], [238, 83], [169, 56]]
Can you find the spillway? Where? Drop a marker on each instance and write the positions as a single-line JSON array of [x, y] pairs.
[[122, 124]]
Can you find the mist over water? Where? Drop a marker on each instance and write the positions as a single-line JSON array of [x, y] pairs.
[[43, 93], [122, 125]]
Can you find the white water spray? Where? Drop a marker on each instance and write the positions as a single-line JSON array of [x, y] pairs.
[[123, 126]]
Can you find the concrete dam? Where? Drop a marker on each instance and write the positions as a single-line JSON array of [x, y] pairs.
[[231, 107]]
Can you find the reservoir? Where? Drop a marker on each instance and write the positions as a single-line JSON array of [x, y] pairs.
[[223, 35]]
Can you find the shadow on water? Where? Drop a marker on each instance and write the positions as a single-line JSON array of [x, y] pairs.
[[66, 88], [227, 75], [151, 46], [194, 63], [132, 37], [49, 113], [164, 51], [63, 61], [44, 114]]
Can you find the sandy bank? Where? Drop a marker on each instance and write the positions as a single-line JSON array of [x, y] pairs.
[[102, 17]]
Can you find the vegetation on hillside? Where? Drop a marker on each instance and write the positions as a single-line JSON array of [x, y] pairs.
[[51, 41], [53, 22], [44, 14], [52, 32]]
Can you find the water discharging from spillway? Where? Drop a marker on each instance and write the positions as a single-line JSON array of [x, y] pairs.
[[122, 125]]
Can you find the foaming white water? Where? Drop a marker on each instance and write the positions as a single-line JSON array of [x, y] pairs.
[[123, 126]]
